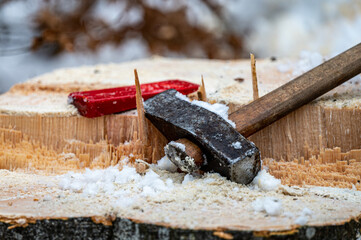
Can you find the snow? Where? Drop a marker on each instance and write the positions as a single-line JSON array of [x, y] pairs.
[[197, 13], [271, 206], [265, 182], [123, 202], [181, 96], [306, 61], [151, 184], [291, 28], [187, 178], [165, 164], [307, 212], [93, 182], [217, 108], [303, 218], [237, 145], [181, 146]]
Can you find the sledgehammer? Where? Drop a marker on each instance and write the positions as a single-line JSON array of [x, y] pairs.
[[206, 141]]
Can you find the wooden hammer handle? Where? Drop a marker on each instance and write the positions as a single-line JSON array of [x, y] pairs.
[[298, 92]]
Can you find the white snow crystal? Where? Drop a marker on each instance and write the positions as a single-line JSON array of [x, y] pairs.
[[148, 191], [272, 206], [265, 181], [182, 97], [307, 212], [123, 202], [151, 183], [237, 145], [187, 178], [217, 108], [178, 145], [165, 164], [307, 61], [304, 216], [126, 175], [301, 220], [93, 182]]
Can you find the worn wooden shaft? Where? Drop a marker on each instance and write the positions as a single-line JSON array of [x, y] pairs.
[[298, 92]]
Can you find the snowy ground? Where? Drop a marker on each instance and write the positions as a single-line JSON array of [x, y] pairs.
[[163, 197], [270, 28]]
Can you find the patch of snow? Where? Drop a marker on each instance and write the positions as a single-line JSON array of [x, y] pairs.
[[307, 212], [181, 146], [307, 61], [182, 97], [165, 164], [237, 145], [152, 184], [187, 178], [93, 182], [304, 216], [301, 220], [123, 202], [209, 180], [217, 108], [290, 29], [265, 181], [269, 205], [288, 214]]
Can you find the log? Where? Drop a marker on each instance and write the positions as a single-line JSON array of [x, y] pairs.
[[86, 228], [41, 136]]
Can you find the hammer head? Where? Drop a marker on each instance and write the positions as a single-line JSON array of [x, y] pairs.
[[226, 151]]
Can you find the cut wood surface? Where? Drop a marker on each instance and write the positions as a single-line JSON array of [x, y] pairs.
[[41, 136], [209, 203]]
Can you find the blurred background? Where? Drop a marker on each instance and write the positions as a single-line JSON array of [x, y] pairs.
[[37, 36]]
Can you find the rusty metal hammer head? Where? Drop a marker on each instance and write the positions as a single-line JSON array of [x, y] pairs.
[[225, 150]]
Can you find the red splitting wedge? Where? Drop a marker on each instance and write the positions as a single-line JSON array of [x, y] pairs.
[[101, 102]]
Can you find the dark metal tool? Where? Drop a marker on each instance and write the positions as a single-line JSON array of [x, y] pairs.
[[207, 142], [177, 118]]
